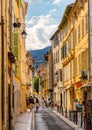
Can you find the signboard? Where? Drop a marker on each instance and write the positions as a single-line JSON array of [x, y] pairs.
[[89, 115], [78, 84]]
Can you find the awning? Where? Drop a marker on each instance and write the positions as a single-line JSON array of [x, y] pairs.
[[86, 85]]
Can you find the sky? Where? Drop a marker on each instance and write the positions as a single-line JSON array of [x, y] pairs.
[[42, 20]]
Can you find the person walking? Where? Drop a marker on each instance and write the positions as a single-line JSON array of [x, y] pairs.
[[31, 102], [37, 104], [52, 104]]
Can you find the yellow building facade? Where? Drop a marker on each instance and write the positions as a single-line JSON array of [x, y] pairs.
[[74, 48], [20, 9], [23, 58], [10, 73]]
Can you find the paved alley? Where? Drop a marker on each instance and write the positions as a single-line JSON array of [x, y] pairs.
[[24, 121], [46, 120]]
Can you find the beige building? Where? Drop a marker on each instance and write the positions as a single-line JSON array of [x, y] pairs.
[[43, 88], [49, 58], [57, 67], [29, 74]]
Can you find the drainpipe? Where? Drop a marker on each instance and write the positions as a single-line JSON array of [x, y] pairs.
[[2, 61], [90, 45], [11, 105]]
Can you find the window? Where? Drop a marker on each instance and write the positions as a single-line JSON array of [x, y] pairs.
[[58, 55], [72, 68], [71, 40], [56, 41], [80, 2], [60, 74], [67, 72], [75, 37], [60, 36], [68, 47], [19, 3], [82, 27], [54, 59], [79, 32], [78, 64], [62, 52], [85, 60], [65, 50], [75, 61], [86, 23]]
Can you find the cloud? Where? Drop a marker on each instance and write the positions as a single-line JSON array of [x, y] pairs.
[[57, 1], [52, 11], [39, 30]]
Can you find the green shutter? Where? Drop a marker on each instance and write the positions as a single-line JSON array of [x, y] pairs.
[[15, 44], [19, 3]]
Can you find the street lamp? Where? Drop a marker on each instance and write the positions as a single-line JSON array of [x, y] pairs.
[[17, 25], [23, 34]]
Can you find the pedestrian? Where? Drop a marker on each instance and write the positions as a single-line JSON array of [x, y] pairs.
[[37, 104], [31, 102], [27, 102], [52, 104]]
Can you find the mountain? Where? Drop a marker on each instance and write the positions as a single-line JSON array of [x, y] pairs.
[[38, 55]]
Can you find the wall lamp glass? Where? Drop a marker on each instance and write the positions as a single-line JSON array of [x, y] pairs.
[[23, 34]]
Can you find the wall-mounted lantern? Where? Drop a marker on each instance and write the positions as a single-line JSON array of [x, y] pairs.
[[23, 34]]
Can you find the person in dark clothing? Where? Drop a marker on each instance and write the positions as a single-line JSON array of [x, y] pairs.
[[30, 99], [27, 102], [37, 104], [52, 104], [31, 102]]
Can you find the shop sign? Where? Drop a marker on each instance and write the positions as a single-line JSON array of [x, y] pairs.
[[78, 84]]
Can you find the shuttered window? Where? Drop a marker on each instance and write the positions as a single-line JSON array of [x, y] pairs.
[[15, 47], [79, 32], [82, 27], [85, 60], [15, 44], [60, 74], [19, 3], [86, 23], [62, 52]]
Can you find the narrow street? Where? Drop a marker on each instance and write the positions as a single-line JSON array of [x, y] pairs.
[[46, 120]]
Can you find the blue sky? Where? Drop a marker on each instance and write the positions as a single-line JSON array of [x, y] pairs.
[[42, 20]]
